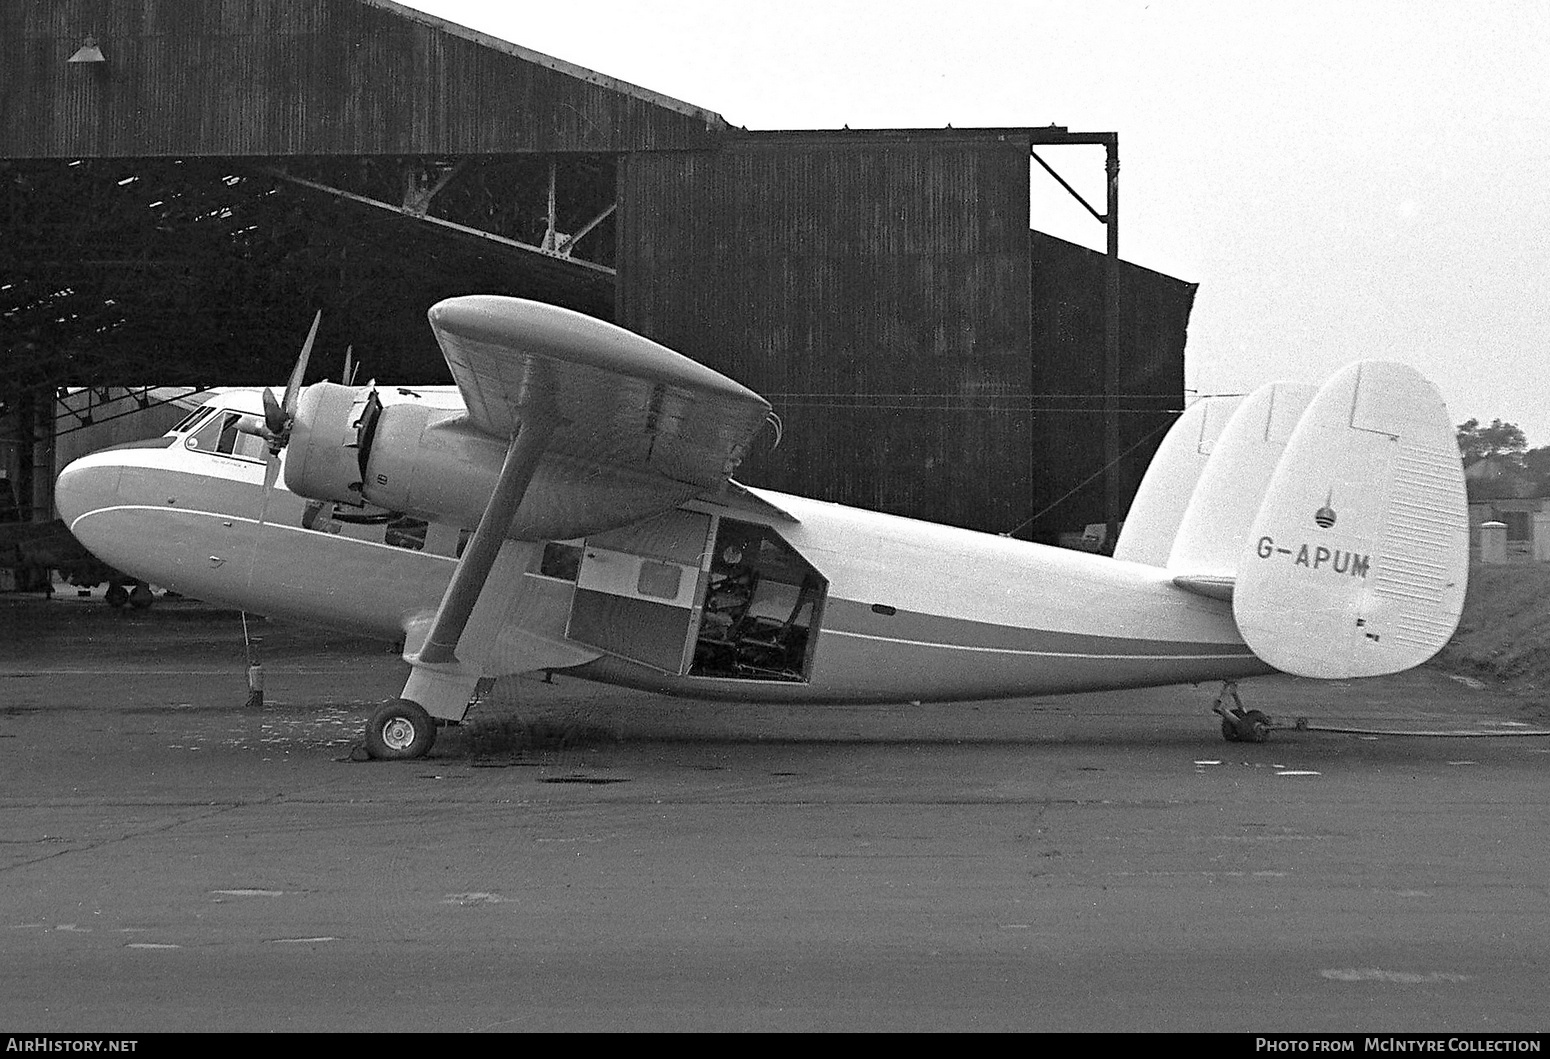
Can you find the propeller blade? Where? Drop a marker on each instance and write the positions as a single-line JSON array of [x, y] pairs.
[[349, 366], [271, 474], [293, 388], [274, 416]]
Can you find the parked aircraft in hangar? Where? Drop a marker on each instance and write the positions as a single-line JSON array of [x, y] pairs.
[[569, 505]]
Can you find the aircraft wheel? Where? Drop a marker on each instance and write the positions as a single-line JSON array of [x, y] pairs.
[[1250, 727], [140, 597], [117, 596], [1254, 728], [400, 730]]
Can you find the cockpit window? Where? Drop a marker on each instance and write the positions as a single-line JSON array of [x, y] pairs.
[[219, 434], [188, 422]]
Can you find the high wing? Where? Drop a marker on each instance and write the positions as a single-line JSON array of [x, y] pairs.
[[576, 404], [619, 400], [570, 427]]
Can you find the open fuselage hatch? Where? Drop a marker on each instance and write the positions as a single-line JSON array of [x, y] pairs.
[[692, 593]]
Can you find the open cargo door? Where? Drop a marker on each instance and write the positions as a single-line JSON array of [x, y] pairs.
[[637, 590]]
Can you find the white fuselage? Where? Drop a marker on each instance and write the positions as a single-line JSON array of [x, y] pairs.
[[909, 610]]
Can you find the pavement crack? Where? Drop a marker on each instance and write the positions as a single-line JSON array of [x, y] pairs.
[[213, 811]]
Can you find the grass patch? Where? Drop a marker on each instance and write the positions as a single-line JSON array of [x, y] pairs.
[[1503, 636]]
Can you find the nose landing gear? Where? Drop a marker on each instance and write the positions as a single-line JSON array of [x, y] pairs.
[[1240, 725]]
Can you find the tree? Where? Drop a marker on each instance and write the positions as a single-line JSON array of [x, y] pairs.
[[1537, 463], [1477, 443]]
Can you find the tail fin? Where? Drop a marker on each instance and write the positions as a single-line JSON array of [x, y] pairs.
[[1233, 483], [1153, 519], [1357, 560]]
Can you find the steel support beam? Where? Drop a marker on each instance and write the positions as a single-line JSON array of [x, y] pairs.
[[437, 222], [42, 457], [1113, 479]]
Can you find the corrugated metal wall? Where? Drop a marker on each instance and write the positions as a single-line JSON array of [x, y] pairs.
[[873, 286], [288, 77], [930, 356], [1067, 354]]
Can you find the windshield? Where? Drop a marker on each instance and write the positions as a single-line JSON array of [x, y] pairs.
[[187, 422]]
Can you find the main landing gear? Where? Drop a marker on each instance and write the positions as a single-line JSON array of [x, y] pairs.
[[399, 730], [1240, 725], [138, 595]]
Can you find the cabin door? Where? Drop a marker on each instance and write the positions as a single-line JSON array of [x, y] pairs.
[[637, 590]]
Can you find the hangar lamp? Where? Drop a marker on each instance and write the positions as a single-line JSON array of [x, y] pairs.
[[88, 52]]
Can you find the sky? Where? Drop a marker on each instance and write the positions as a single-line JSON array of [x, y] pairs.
[[1362, 179]]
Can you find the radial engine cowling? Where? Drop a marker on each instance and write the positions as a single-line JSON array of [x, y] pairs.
[[323, 459], [432, 463]]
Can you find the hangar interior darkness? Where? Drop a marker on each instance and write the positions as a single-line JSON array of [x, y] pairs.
[[176, 212]]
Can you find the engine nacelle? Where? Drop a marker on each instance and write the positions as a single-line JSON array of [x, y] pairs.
[[425, 461], [322, 461], [431, 463]]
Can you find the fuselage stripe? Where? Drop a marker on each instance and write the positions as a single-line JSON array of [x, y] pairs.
[[1038, 654]]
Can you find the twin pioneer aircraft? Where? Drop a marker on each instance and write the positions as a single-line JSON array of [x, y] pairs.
[[569, 505]]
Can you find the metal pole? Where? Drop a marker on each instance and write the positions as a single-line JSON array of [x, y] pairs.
[[42, 498], [1113, 476]]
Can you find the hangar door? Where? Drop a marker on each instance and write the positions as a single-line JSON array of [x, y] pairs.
[[637, 587]]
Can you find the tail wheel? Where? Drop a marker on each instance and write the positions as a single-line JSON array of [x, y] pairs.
[[1255, 727], [400, 730], [1250, 727]]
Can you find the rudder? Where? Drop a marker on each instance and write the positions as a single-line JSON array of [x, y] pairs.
[[1357, 561]]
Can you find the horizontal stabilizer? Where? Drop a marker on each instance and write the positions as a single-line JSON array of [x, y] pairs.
[[1356, 562], [1214, 586]]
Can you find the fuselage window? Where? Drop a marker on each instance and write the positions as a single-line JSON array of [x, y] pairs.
[[219, 434], [661, 580], [562, 561]]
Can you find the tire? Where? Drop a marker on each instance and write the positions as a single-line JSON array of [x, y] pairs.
[[1230, 731], [1256, 727], [400, 730], [117, 596], [140, 597]]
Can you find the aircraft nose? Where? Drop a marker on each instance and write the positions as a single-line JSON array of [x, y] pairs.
[[86, 485]]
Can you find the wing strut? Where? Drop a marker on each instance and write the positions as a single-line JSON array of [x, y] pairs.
[[439, 684], [468, 579]]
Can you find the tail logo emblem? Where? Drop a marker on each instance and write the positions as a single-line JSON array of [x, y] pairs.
[[1325, 516]]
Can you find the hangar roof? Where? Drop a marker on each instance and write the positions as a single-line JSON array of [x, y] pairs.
[[305, 77]]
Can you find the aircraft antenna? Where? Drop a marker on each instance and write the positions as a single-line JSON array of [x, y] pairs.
[[1047, 508]]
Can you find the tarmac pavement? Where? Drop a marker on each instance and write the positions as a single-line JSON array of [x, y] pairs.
[[171, 859]]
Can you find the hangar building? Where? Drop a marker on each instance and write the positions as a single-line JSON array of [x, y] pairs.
[[183, 182]]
